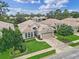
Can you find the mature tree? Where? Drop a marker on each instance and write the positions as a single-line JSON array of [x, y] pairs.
[[38, 15], [75, 14], [32, 15], [64, 30], [19, 18], [58, 14], [3, 10], [11, 39], [3, 7], [19, 42], [50, 14], [66, 14]]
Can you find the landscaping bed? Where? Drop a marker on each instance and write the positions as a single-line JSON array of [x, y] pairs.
[[43, 55]]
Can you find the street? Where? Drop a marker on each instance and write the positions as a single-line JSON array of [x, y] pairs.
[[73, 54]]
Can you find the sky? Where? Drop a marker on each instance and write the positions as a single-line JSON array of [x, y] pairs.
[[40, 6]]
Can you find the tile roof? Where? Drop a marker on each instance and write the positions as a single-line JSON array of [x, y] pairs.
[[44, 25], [50, 22], [26, 26], [6, 25]]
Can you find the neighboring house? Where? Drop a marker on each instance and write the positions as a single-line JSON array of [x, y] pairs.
[[74, 22], [6, 25], [51, 22], [39, 19]]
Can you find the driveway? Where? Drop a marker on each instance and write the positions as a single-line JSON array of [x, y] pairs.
[[56, 44]]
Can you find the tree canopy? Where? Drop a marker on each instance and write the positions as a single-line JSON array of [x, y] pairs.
[[3, 7], [59, 14], [64, 30], [11, 39]]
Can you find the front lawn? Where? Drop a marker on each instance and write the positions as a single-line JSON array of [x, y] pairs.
[[43, 55], [5, 55], [74, 44], [69, 38], [33, 46]]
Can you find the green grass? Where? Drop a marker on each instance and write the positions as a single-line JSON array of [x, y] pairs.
[[68, 38], [34, 46], [43, 55], [31, 46], [5, 55], [74, 44]]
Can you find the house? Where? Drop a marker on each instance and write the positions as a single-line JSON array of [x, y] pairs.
[[26, 29], [45, 28], [31, 28]]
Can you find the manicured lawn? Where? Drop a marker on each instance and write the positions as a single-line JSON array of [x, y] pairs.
[[68, 38], [5, 55], [33, 45], [43, 55], [74, 44]]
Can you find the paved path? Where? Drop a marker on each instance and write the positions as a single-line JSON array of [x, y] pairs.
[[77, 34], [35, 53]]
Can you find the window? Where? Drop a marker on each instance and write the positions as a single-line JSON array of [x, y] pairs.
[[34, 28], [31, 34], [35, 33], [28, 34]]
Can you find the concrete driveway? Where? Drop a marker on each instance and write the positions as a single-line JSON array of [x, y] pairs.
[[56, 44]]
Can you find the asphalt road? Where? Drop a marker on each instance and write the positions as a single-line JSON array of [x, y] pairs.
[[72, 54]]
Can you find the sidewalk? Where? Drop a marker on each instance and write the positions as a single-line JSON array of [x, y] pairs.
[[35, 53]]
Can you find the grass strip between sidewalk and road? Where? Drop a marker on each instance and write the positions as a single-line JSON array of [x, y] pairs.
[[43, 55]]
